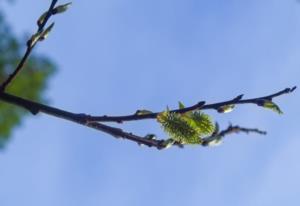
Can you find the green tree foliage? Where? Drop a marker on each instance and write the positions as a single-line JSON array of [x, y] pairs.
[[29, 84]]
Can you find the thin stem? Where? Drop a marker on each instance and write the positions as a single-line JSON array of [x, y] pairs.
[[119, 133], [36, 108], [81, 119], [93, 121], [218, 136], [199, 106], [28, 50], [48, 15]]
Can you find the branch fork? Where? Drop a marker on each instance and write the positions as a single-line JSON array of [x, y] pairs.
[[96, 122]]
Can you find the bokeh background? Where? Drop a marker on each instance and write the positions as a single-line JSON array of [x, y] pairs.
[[115, 57]]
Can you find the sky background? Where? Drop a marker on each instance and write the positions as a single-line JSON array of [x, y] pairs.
[[117, 56]]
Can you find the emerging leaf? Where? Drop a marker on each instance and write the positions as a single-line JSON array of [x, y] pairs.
[[41, 20], [34, 38], [143, 112], [47, 31], [226, 108], [61, 8], [271, 105]]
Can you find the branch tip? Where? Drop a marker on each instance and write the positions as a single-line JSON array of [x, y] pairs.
[[293, 89]]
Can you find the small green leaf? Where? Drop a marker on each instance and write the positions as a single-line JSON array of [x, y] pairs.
[[41, 20], [271, 105], [181, 105], [46, 32], [226, 108], [34, 38], [143, 112], [61, 8]]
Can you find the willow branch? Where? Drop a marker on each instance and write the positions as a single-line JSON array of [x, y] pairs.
[[198, 106], [28, 49], [219, 135], [81, 119], [36, 108], [94, 121]]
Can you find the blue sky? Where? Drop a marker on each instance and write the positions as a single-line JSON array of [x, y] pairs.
[[115, 57]]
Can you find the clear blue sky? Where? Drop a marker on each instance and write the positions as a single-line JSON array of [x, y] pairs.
[[115, 57]]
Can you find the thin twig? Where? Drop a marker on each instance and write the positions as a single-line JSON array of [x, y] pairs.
[[199, 106], [93, 121], [28, 50], [218, 136], [48, 15], [36, 108]]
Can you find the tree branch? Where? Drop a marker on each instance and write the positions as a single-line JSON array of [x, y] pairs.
[[217, 137], [28, 49], [93, 121], [198, 106], [36, 108]]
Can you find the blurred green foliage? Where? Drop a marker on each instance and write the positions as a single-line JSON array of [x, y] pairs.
[[30, 83]]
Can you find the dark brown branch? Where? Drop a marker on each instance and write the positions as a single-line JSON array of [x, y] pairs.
[[49, 13], [93, 121], [218, 136], [119, 133], [199, 106], [136, 116], [28, 50], [36, 108]]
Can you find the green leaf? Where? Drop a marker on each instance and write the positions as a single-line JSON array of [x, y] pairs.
[[271, 105], [226, 108]]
